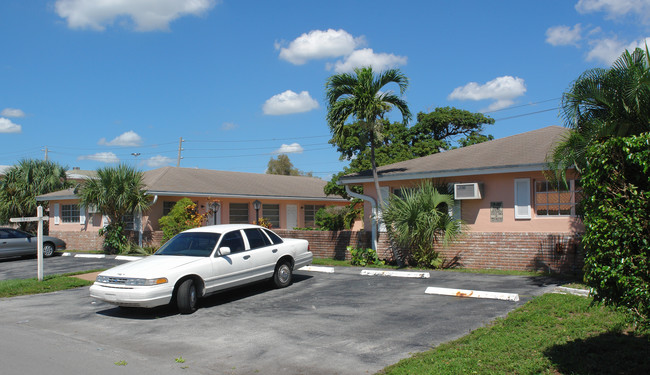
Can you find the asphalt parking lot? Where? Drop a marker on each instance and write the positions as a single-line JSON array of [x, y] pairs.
[[340, 323], [23, 268]]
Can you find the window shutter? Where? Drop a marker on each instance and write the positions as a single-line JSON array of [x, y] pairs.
[[82, 214], [57, 219], [522, 198]]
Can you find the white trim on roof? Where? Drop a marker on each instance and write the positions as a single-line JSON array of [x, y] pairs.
[[247, 196], [449, 173]]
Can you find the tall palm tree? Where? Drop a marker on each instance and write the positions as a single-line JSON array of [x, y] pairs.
[[359, 96], [116, 192], [23, 183], [604, 103]]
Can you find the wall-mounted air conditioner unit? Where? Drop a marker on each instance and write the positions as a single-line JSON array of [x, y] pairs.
[[472, 190]]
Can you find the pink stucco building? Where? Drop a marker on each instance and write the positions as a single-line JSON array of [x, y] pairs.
[[287, 201], [516, 218]]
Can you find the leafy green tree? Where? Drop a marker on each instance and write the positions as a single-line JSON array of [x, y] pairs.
[[604, 103], [116, 192], [441, 129], [25, 181], [183, 216], [359, 96], [283, 166], [418, 219]]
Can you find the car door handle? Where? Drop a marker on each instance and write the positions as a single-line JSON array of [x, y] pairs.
[[275, 250], [246, 257]]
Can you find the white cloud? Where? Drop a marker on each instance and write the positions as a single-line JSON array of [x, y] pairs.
[[564, 35], [129, 138], [158, 161], [609, 49], [104, 157], [6, 126], [289, 102], [367, 57], [318, 44], [615, 8], [146, 15], [228, 126], [293, 148], [12, 112], [503, 90]]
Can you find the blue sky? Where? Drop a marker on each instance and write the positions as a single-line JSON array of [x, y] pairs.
[[95, 81]]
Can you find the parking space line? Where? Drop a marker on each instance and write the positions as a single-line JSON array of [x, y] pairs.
[[416, 275], [472, 293], [317, 269]]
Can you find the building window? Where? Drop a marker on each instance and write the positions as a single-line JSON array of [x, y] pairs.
[[167, 207], [272, 213], [557, 199], [239, 213], [310, 214], [70, 213], [129, 221]]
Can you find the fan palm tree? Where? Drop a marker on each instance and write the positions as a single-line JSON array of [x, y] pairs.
[[418, 219], [23, 183], [116, 192], [359, 96], [604, 103]]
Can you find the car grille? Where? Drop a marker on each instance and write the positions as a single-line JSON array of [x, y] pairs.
[[117, 280]]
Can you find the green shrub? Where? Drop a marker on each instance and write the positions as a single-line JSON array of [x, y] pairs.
[[115, 241], [336, 218], [364, 257], [616, 186], [183, 216]]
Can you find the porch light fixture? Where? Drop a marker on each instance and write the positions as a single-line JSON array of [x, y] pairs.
[[214, 206], [257, 205]]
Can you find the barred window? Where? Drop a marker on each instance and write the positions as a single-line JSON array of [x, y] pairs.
[[70, 213], [310, 214], [239, 213], [557, 199], [167, 207], [272, 212]]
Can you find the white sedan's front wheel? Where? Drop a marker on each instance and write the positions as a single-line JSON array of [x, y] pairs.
[[283, 275], [186, 297]]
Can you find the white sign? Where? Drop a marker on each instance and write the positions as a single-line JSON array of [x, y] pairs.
[[39, 237]]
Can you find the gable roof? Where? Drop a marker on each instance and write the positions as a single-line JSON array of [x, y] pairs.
[[207, 182], [191, 182], [517, 153]]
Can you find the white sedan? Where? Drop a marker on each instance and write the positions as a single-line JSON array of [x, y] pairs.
[[202, 261]]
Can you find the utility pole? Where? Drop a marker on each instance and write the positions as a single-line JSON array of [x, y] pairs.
[[45, 152], [180, 148]]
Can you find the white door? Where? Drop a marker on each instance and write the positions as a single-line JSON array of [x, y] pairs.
[[292, 216]]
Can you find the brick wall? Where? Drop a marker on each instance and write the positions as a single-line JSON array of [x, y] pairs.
[[550, 252]]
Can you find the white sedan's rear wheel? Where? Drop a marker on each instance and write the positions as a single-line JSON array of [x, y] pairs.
[[186, 297], [283, 275]]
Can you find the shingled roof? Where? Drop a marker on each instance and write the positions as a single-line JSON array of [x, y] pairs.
[[207, 182], [191, 182], [517, 153]]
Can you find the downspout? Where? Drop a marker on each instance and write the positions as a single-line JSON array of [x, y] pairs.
[[373, 217]]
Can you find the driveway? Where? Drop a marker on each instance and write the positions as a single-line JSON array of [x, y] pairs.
[[340, 323]]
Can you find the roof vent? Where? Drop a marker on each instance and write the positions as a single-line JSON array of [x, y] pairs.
[[472, 190]]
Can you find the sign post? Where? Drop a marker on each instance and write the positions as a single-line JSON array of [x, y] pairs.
[[39, 235]]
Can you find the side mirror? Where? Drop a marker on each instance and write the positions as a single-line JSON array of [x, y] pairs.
[[224, 250]]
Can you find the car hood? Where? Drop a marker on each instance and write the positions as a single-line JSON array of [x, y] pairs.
[[151, 266]]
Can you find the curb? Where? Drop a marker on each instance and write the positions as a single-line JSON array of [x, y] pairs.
[[473, 294], [573, 291], [415, 275]]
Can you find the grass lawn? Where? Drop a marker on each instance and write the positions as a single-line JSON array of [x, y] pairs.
[[53, 283], [551, 334]]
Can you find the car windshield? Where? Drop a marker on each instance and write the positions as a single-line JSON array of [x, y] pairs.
[[195, 244]]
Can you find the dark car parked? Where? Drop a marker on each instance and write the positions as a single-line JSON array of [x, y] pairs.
[[15, 242]]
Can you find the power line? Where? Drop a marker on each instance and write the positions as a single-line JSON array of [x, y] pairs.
[[527, 114]]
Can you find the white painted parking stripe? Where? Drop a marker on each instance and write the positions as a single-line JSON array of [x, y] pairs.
[[127, 257], [66, 254], [90, 255], [417, 275], [317, 269], [472, 293]]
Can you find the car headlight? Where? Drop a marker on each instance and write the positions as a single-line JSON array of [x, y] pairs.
[[131, 281]]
